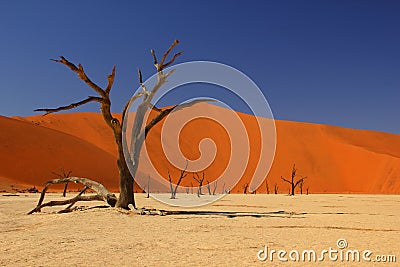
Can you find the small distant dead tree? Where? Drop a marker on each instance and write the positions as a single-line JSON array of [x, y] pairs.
[[140, 128], [292, 182], [148, 186], [301, 187], [102, 194], [215, 187], [276, 188], [63, 174], [209, 188], [245, 187], [307, 191], [266, 186], [183, 175], [200, 181]]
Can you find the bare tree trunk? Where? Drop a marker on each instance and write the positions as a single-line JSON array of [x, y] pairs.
[[208, 187], [301, 188], [266, 186], [148, 187], [61, 175], [126, 182], [245, 188], [276, 188], [65, 190], [215, 186], [181, 177], [200, 181]]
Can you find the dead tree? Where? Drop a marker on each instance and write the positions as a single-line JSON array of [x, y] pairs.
[[215, 187], [292, 182], [307, 191], [148, 187], [200, 181], [183, 175], [266, 186], [139, 131], [301, 187], [245, 187], [61, 175], [102, 194], [208, 187], [276, 188]]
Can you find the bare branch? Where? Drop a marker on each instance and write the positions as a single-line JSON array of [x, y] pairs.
[[172, 60], [167, 111], [300, 181], [286, 180], [141, 81], [110, 79], [154, 59], [129, 102], [198, 178], [71, 106], [168, 51], [68, 209], [81, 74], [160, 65]]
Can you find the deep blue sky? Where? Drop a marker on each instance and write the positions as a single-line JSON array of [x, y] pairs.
[[331, 62]]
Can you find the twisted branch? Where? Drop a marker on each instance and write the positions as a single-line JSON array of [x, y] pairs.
[[71, 106]]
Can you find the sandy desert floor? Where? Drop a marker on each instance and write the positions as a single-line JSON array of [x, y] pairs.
[[106, 236]]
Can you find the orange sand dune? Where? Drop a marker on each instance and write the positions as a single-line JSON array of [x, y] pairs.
[[30, 152], [334, 159]]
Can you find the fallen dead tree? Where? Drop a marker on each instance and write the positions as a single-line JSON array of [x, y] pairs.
[[102, 194]]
